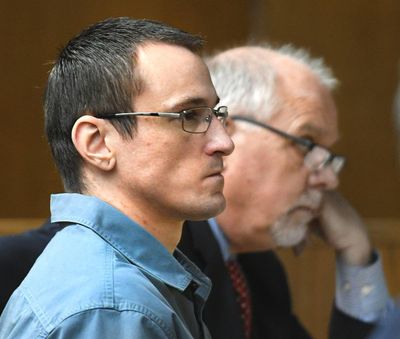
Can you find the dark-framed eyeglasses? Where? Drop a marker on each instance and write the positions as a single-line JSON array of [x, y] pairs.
[[194, 120], [316, 157]]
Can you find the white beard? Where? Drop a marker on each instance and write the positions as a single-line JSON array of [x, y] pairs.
[[285, 232], [292, 227]]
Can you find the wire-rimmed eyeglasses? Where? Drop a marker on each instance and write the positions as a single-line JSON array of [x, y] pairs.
[[194, 120], [316, 157]]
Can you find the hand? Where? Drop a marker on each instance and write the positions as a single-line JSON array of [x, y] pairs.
[[340, 226]]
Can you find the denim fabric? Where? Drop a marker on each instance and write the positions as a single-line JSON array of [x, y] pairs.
[[104, 276]]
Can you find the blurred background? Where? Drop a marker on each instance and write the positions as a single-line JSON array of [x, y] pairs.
[[360, 40]]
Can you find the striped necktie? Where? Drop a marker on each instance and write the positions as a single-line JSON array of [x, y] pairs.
[[243, 294]]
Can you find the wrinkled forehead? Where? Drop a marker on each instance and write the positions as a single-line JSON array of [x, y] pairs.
[[308, 112]]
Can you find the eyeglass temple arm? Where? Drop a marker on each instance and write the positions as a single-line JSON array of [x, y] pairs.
[[304, 142], [158, 114]]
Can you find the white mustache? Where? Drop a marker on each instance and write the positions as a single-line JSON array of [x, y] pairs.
[[287, 231], [310, 199]]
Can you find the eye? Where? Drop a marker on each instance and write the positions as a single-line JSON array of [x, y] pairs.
[[197, 120], [308, 137], [200, 114], [190, 114], [301, 148], [304, 144]]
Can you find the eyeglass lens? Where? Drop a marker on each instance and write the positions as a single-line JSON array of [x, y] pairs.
[[318, 158], [197, 120]]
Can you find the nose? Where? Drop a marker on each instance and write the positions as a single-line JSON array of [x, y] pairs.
[[218, 139], [324, 178]]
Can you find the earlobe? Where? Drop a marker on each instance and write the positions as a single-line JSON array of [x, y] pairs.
[[90, 137]]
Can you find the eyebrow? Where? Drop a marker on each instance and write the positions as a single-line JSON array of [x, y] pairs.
[[190, 102], [310, 129], [314, 131]]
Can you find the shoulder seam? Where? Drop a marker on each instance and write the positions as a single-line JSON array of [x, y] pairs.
[[133, 308]]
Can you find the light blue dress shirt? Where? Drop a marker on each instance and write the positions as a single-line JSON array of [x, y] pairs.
[[104, 276], [361, 292]]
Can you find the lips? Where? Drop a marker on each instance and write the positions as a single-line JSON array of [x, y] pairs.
[[218, 173], [215, 169], [216, 178]]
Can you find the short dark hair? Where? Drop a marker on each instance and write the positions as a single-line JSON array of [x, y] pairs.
[[95, 74]]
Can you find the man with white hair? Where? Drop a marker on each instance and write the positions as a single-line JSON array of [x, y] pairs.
[[280, 184]]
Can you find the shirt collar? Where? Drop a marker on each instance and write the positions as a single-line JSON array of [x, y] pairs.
[[222, 240], [127, 237]]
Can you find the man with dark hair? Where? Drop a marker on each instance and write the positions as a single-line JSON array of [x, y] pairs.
[[130, 119], [279, 183]]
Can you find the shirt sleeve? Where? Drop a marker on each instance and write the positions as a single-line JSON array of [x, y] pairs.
[[109, 323], [388, 325], [361, 291]]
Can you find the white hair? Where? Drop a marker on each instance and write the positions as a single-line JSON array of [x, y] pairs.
[[246, 82], [316, 65], [244, 85]]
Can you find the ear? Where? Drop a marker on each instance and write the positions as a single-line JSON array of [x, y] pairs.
[[90, 136]]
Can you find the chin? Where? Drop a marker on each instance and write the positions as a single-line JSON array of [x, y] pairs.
[[211, 208], [287, 232], [289, 237]]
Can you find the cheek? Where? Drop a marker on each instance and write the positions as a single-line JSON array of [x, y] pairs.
[[269, 178], [279, 183], [151, 157], [285, 195], [179, 163]]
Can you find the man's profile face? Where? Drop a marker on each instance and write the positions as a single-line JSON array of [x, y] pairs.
[[265, 176], [166, 171]]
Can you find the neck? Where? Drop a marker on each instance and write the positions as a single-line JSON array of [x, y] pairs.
[[164, 228]]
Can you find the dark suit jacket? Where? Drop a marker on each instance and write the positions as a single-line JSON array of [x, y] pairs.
[[17, 255], [272, 310]]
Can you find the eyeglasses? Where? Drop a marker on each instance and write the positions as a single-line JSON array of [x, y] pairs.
[[317, 156], [194, 120]]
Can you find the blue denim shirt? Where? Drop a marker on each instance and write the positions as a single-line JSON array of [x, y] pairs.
[[104, 276]]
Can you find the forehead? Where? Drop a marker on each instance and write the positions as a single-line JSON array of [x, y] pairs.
[[173, 76], [306, 108]]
